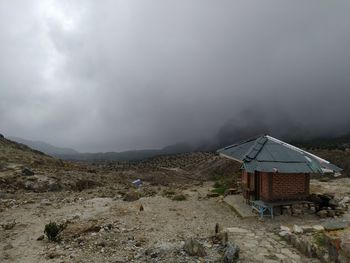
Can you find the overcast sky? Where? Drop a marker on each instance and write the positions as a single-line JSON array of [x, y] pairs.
[[118, 75]]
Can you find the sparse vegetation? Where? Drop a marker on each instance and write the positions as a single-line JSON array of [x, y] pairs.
[[53, 230], [221, 186], [168, 193], [320, 239]]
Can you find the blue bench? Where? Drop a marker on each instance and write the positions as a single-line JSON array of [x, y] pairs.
[[261, 207]]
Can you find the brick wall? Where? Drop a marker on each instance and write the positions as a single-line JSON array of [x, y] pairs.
[[289, 186]]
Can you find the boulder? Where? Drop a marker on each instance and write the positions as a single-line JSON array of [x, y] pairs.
[[194, 248], [335, 225], [297, 229], [231, 254]]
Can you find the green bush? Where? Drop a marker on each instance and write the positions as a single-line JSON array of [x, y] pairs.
[[320, 239], [220, 190], [53, 230]]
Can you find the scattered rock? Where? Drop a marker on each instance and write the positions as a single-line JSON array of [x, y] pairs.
[[9, 225], [27, 172], [52, 254], [322, 213], [194, 248], [231, 254], [211, 194], [8, 246], [40, 237]]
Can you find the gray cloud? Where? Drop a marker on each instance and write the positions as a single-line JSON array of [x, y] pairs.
[[116, 75]]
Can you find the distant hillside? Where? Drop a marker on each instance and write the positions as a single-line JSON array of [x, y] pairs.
[[45, 147], [134, 155], [16, 153]]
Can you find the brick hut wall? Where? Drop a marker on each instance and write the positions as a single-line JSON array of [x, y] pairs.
[[289, 186]]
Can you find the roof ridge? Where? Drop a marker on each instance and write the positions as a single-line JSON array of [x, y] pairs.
[[255, 149], [244, 141]]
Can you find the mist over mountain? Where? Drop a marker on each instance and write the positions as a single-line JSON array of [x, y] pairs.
[[103, 77]]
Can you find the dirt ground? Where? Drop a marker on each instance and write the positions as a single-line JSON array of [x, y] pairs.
[[108, 229], [107, 219]]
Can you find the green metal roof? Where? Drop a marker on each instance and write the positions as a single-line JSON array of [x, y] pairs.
[[268, 154]]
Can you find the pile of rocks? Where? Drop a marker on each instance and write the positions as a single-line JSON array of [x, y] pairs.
[[328, 206], [328, 242], [302, 238], [298, 209]]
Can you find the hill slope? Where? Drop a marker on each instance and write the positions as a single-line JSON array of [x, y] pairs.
[[17, 153], [45, 147]]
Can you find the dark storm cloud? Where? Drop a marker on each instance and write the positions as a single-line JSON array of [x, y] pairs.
[[118, 75]]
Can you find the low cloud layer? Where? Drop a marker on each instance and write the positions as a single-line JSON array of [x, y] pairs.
[[117, 75]]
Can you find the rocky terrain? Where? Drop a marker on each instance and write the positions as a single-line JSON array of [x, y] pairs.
[[104, 217]]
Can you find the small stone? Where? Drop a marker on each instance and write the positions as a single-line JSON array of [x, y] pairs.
[[318, 228], [322, 213], [40, 237], [331, 213]]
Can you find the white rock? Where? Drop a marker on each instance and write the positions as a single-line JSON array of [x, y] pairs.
[[318, 228], [284, 233], [285, 228], [307, 229], [297, 229]]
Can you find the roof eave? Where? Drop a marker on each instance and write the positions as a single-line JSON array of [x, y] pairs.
[[230, 157]]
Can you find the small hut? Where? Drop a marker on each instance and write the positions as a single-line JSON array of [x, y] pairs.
[[275, 171]]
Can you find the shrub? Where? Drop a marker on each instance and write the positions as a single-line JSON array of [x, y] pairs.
[[179, 197], [53, 230], [168, 193], [320, 239], [220, 188]]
